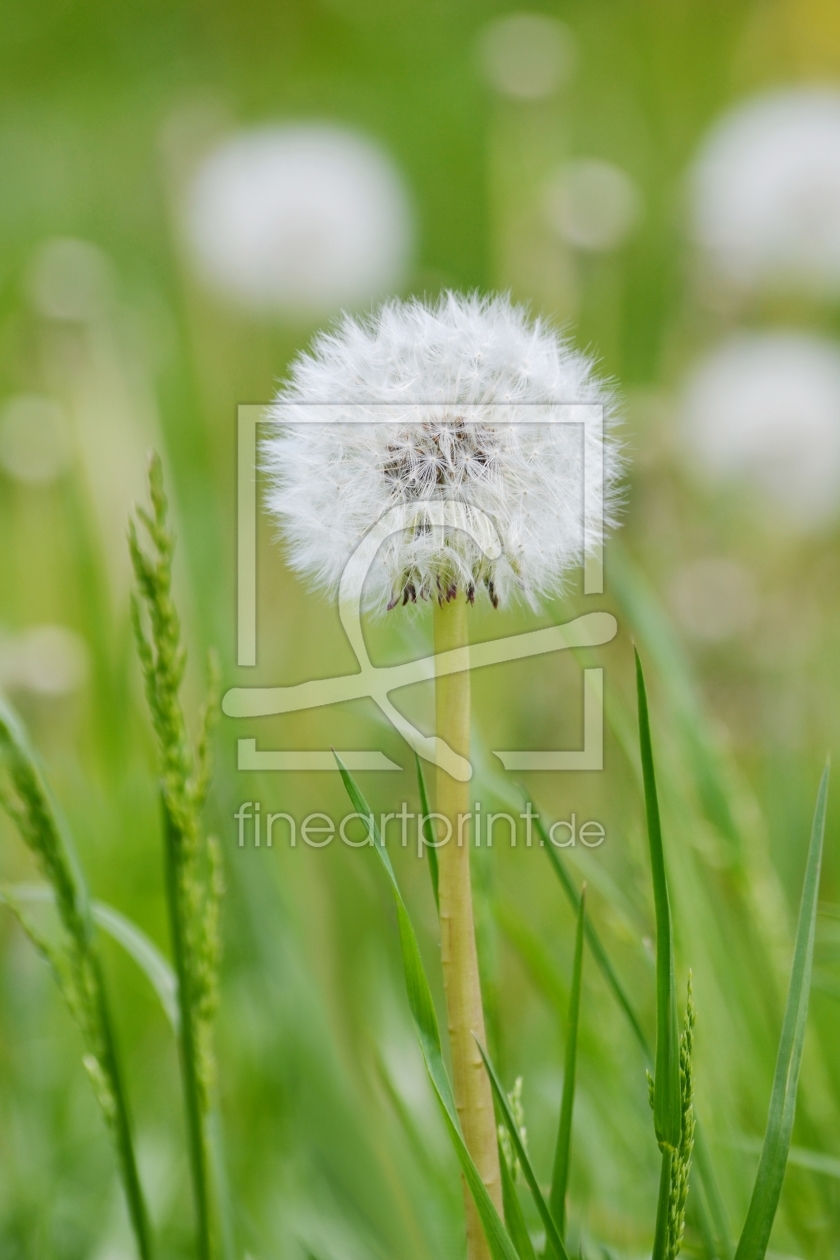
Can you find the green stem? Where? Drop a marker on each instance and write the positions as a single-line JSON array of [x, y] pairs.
[[562, 1154], [125, 1146], [186, 1040], [660, 1242]]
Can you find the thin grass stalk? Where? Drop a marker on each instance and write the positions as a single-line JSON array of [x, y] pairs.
[[473, 1096], [192, 862], [666, 1098], [187, 1049], [770, 1175], [562, 1153]]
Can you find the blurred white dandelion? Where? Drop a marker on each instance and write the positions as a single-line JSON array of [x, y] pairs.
[[763, 409], [299, 219], [592, 205], [35, 439], [765, 191], [468, 384], [49, 661], [527, 55]]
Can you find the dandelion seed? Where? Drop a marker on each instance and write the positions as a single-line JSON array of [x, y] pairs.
[[469, 388]]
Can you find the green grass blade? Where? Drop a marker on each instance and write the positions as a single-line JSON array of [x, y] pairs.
[[514, 1218], [666, 1097], [554, 1242], [27, 800], [196, 1135], [710, 1207], [428, 830], [562, 1153], [121, 929], [426, 1025], [660, 1241], [774, 1154], [595, 944]]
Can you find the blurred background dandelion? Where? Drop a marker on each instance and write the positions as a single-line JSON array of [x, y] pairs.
[[186, 196]]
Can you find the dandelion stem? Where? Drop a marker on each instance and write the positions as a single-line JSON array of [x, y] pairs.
[[186, 1041], [473, 1097]]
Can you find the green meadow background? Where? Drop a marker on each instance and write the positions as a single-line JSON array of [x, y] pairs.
[[333, 1145]]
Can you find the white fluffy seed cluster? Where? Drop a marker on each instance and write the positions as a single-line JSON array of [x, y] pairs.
[[462, 400]]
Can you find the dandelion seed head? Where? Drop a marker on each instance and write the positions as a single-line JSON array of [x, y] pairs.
[[765, 192], [464, 400], [299, 220], [763, 409]]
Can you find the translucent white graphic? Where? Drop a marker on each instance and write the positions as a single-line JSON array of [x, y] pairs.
[[35, 439], [592, 205], [527, 55], [299, 219], [765, 191], [763, 409]]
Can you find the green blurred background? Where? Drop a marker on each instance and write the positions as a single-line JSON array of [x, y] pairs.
[[552, 158]]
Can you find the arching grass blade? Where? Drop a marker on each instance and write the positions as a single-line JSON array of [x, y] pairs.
[[76, 963], [428, 830], [774, 1154]]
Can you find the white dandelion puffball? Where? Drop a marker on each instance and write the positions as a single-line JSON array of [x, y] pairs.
[[766, 191], [299, 219], [764, 408], [455, 402]]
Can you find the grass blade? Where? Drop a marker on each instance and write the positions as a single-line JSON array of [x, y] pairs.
[[25, 797], [594, 942], [709, 1207], [666, 1097], [187, 1048], [428, 830], [554, 1242], [560, 1172], [121, 929], [514, 1218], [774, 1154], [426, 1025]]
